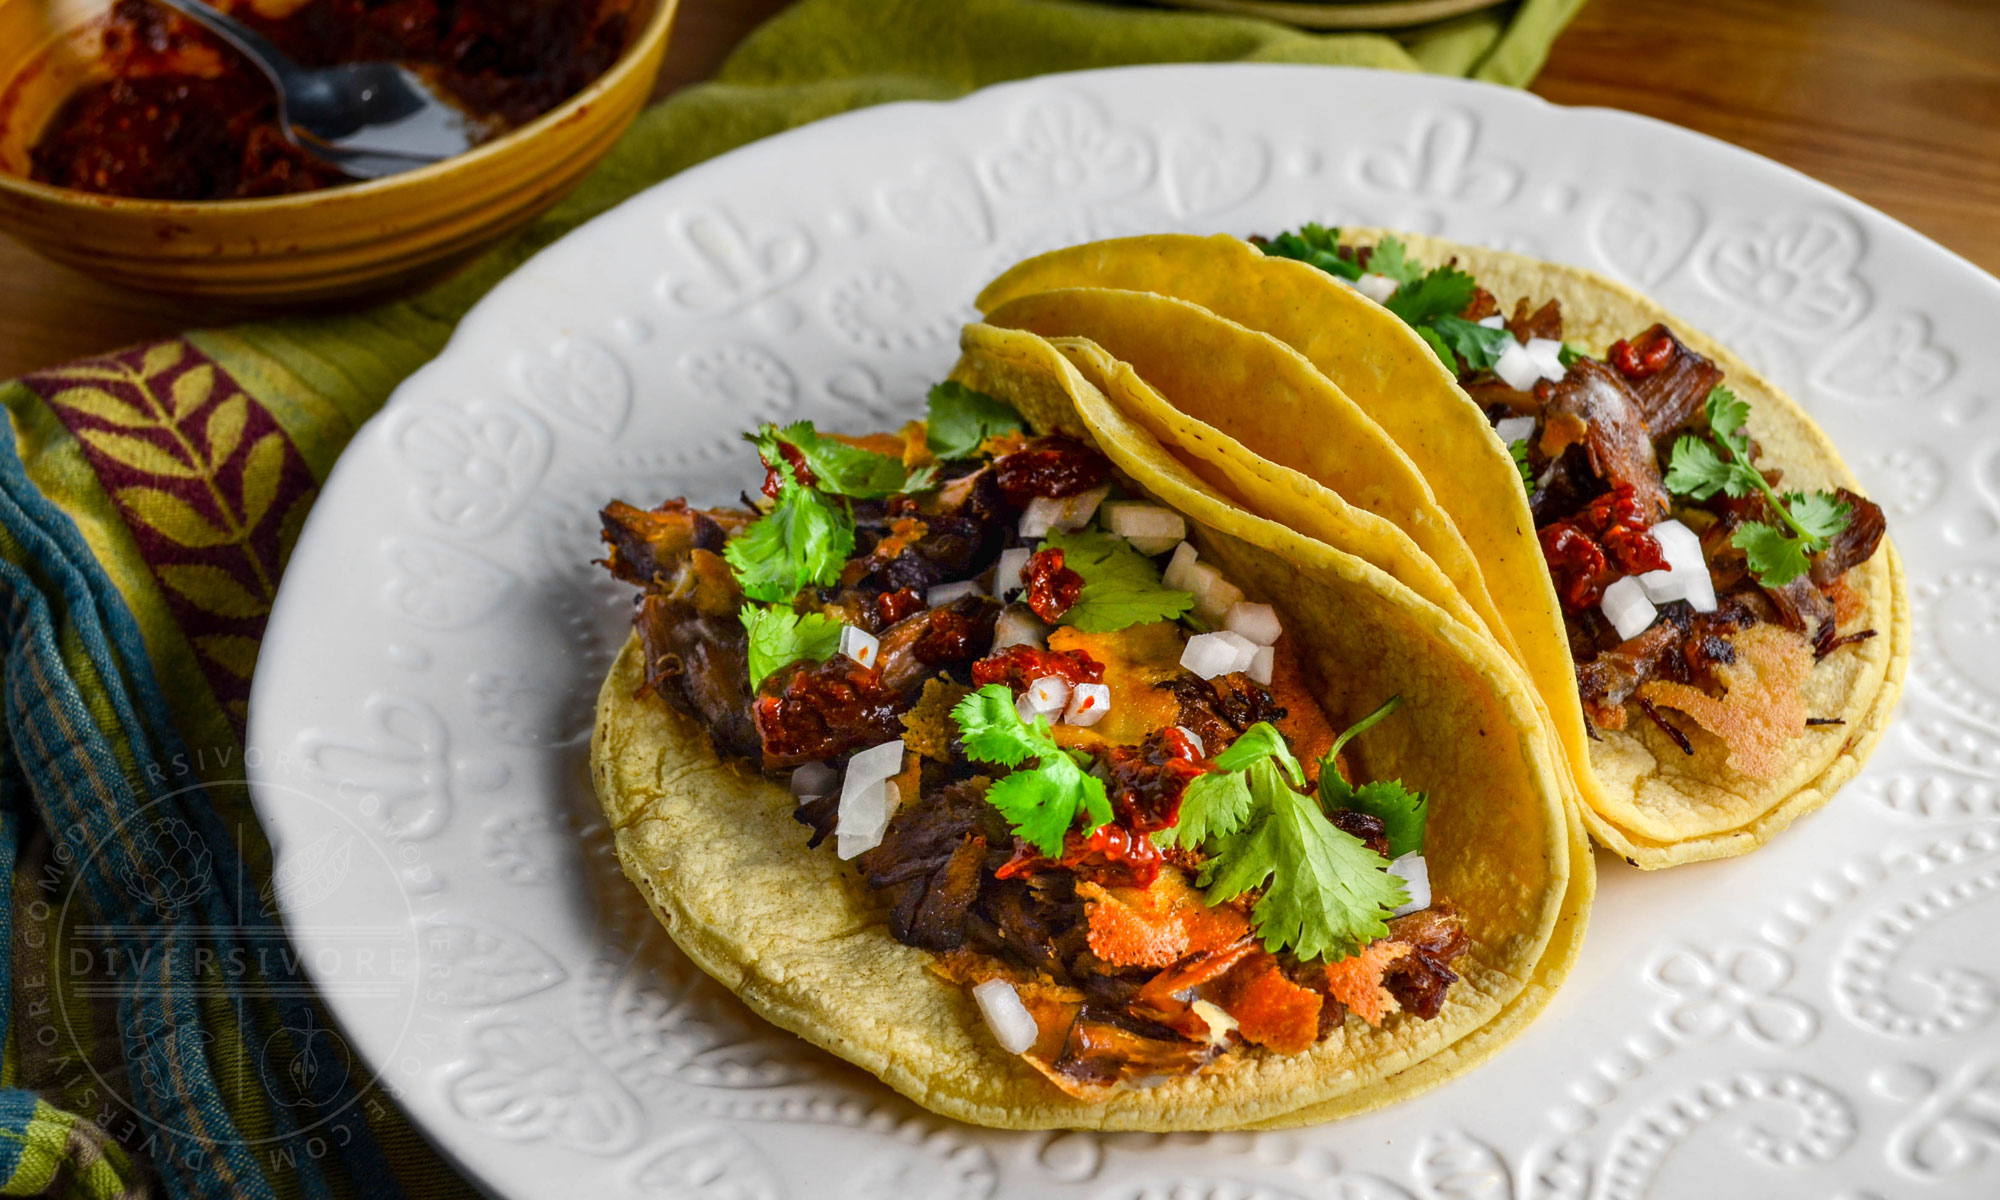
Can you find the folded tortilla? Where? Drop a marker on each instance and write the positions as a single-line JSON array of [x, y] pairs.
[[714, 848], [1641, 796]]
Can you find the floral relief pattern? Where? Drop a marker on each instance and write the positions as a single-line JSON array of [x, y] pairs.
[[211, 488], [527, 1080], [1734, 990]]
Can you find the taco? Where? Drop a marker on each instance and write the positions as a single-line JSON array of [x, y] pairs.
[[1004, 758], [1693, 581]]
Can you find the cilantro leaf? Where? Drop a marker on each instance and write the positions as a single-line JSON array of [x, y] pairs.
[[1443, 291], [1317, 245], [805, 539], [1726, 418], [780, 637], [1772, 555], [838, 468], [1569, 355], [960, 419], [1818, 514], [1040, 803], [1519, 449], [1214, 805], [1699, 469], [1259, 742], [1325, 893], [1218, 804], [993, 731], [1121, 586], [1391, 258], [1479, 345], [1402, 811]]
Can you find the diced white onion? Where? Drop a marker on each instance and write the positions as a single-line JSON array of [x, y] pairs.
[[1516, 369], [1686, 577], [1049, 694], [867, 798], [1211, 654], [1626, 607], [1179, 574], [1088, 702], [1220, 1023], [1024, 706], [1200, 748], [1514, 429], [1017, 625], [1416, 877], [1376, 287], [1150, 528], [1070, 512], [814, 779], [1496, 321], [1546, 354], [860, 645], [1012, 1025], [1258, 622], [1007, 574], [946, 593], [1261, 664]]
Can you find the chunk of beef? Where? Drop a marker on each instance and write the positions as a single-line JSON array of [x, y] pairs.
[[930, 865], [1418, 980], [699, 663], [1670, 381], [1853, 545], [1592, 406]]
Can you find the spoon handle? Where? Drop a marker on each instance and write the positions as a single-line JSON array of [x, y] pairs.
[[274, 62]]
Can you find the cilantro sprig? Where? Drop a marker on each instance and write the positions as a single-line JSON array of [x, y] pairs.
[[803, 541], [1040, 803], [1775, 553], [780, 637], [1316, 245], [838, 468], [1325, 894], [960, 420], [1403, 812], [1427, 301], [1121, 586]]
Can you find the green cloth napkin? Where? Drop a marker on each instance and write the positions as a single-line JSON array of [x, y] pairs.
[[148, 499]]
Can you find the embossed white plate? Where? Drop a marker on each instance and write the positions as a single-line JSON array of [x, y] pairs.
[[1815, 1020]]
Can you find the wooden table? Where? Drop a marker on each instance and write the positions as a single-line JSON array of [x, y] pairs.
[[1895, 101]]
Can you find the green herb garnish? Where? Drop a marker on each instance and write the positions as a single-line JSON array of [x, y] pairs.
[[1325, 893], [961, 419], [1121, 586], [1402, 811], [803, 541], [837, 468], [780, 637], [1776, 554], [1041, 802]]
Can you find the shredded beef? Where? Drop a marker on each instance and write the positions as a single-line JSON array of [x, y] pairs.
[[1612, 432], [1418, 979], [1217, 714], [1855, 544], [930, 865], [1544, 322], [1367, 828], [1670, 381]]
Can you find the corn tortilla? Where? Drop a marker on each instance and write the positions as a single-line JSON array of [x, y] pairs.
[[713, 847]]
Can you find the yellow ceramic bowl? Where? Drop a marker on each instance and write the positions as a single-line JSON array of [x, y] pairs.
[[343, 241]]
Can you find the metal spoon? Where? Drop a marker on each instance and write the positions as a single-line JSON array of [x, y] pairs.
[[369, 119]]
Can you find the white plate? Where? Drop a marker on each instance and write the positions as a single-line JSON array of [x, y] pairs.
[[1814, 1020]]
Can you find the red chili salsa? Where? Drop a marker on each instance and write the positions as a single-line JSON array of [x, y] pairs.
[[185, 117]]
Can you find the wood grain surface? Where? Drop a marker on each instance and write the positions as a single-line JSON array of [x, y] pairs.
[[1896, 102]]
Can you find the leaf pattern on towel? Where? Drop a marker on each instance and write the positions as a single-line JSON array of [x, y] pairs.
[[208, 483]]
